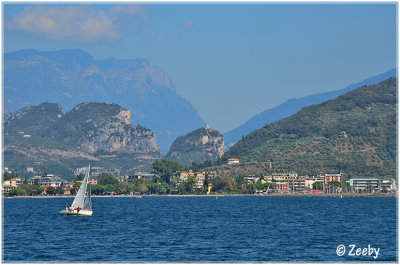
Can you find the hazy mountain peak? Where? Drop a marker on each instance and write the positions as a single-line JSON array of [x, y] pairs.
[[69, 77]]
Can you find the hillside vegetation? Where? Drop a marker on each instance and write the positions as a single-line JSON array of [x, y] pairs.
[[293, 105], [198, 146], [354, 134], [93, 133]]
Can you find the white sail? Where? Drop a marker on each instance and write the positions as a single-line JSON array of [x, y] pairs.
[[87, 205], [82, 199], [79, 200]]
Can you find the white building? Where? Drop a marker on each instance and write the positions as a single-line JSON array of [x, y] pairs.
[[372, 183], [310, 180], [251, 179], [232, 161], [49, 179], [94, 171]]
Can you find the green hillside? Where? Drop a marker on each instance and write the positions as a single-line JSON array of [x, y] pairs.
[[354, 133]]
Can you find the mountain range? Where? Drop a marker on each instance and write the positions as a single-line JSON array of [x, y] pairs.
[[354, 133], [149, 115], [292, 106], [69, 77]]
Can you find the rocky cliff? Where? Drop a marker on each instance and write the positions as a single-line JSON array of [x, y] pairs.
[[104, 127], [95, 133], [197, 146]]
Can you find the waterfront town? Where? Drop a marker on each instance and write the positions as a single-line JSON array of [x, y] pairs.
[[204, 182]]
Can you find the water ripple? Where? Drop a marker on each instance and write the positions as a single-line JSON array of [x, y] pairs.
[[200, 229]]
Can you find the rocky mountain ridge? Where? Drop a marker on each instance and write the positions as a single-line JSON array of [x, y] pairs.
[[104, 127], [92, 126], [70, 77], [197, 146], [92, 131]]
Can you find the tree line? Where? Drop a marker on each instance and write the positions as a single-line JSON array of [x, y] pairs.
[[166, 181]]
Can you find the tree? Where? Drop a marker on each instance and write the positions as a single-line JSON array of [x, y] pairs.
[[120, 188], [318, 185], [194, 166], [369, 188], [168, 187], [35, 190], [239, 178], [59, 190], [333, 186], [97, 189], [156, 179], [108, 179], [206, 181], [186, 187], [198, 166], [347, 186], [189, 183], [51, 191], [79, 177], [166, 169], [7, 176], [181, 188], [109, 188], [334, 183], [156, 188], [141, 187], [73, 191], [17, 192], [223, 183]]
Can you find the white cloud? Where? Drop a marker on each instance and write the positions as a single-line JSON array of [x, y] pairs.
[[77, 23]]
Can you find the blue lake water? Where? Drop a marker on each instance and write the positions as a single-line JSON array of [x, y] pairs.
[[200, 229]]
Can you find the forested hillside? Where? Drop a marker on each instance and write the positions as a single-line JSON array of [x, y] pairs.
[[354, 134]]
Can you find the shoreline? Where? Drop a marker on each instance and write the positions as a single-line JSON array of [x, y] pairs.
[[214, 195]]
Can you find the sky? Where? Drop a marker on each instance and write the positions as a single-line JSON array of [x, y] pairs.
[[230, 60]]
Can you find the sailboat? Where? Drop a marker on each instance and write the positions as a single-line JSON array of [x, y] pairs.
[[82, 204]]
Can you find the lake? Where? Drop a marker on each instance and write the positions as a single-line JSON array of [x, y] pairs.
[[202, 229]]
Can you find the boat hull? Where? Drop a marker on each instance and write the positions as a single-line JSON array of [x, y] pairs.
[[75, 212]]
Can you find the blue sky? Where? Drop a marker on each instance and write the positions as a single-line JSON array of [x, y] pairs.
[[232, 61]]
